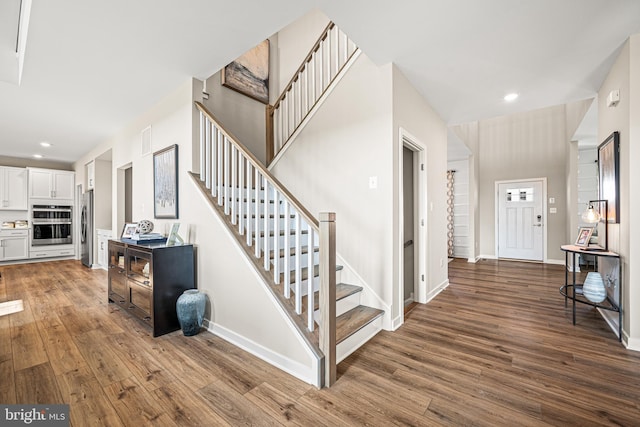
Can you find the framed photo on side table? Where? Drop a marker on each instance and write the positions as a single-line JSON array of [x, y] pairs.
[[584, 236], [129, 230]]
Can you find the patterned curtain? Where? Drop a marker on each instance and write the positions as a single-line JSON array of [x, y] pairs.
[[450, 181]]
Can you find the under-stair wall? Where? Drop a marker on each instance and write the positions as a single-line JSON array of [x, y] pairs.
[[330, 162]]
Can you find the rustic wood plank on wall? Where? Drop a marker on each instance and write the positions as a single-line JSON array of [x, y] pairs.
[[497, 347]]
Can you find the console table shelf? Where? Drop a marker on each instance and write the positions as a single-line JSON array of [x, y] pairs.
[[573, 290]]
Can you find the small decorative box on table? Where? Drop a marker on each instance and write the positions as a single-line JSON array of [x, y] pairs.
[[147, 279]]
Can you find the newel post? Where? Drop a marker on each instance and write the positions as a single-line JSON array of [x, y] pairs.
[[269, 130], [328, 295]]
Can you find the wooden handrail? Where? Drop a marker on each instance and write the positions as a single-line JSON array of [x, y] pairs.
[[308, 217]]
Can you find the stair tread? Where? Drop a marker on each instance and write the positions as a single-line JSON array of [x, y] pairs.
[[355, 319], [343, 290], [292, 251]]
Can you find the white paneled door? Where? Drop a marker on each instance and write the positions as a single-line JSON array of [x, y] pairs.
[[521, 220]]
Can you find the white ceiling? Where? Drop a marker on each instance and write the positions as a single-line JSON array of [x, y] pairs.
[[92, 66]]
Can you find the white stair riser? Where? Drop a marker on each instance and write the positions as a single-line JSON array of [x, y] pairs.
[[357, 340], [342, 306], [316, 283]]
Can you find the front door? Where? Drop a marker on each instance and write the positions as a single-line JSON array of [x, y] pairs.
[[520, 220]]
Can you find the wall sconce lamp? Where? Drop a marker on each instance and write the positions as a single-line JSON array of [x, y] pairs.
[[593, 216]]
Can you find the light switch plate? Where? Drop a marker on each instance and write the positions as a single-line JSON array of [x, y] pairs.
[[552, 200], [553, 210], [373, 182]]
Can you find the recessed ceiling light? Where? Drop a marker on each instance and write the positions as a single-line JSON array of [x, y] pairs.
[[45, 144], [510, 97], [37, 156]]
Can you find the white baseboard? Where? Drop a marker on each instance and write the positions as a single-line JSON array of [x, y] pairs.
[[307, 374], [631, 343], [486, 257], [570, 268], [473, 260], [554, 261], [431, 295]]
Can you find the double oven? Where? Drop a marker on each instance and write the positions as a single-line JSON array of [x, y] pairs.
[[52, 225]]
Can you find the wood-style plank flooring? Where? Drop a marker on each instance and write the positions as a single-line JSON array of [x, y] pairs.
[[496, 347]]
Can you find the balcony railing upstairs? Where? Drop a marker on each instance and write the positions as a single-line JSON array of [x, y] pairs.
[[327, 61]]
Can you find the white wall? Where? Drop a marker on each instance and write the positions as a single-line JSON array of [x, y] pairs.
[[523, 146], [240, 115], [623, 237], [329, 165], [413, 114], [240, 309]]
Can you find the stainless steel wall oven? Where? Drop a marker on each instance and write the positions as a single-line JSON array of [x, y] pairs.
[[52, 225]]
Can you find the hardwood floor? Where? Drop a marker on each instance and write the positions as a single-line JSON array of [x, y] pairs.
[[497, 347]]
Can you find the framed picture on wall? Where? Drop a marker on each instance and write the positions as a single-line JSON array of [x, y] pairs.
[[165, 182], [609, 175]]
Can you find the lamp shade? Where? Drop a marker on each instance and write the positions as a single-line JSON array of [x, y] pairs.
[[590, 216]]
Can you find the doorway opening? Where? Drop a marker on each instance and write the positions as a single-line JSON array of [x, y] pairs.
[[124, 195], [411, 243]]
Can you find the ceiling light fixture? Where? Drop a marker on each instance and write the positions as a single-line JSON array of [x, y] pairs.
[[510, 97], [45, 144], [37, 156]]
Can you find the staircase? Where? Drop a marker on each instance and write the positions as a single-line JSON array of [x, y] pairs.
[[291, 250]]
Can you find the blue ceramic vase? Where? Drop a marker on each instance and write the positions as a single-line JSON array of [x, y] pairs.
[[190, 309], [593, 288]]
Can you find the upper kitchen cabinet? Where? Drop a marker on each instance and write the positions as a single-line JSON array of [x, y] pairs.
[[13, 188], [51, 184]]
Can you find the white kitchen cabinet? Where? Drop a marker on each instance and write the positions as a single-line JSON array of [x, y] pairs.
[[51, 184], [14, 244], [103, 248], [13, 188], [91, 175]]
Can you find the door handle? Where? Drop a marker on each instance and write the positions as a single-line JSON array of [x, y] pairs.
[[408, 243], [537, 225]]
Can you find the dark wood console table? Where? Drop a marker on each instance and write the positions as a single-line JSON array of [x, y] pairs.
[[146, 280], [573, 290]]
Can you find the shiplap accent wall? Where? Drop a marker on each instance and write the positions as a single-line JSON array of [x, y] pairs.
[[461, 240]]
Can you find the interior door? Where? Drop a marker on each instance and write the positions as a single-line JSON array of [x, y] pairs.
[[521, 220]]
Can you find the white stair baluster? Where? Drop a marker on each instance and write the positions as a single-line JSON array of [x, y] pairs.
[[256, 211], [242, 194], [276, 237], [213, 158], [234, 184], [266, 244], [298, 260], [310, 276], [249, 194], [287, 250], [207, 155], [203, 121], [227, 175], [219, 161]]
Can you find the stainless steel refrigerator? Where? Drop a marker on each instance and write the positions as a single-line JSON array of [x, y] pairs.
[[86, 228]]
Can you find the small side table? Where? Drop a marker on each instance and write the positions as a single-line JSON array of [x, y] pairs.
[[608, 303]]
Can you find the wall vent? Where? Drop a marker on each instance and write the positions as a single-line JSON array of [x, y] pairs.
[[146, 141]]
